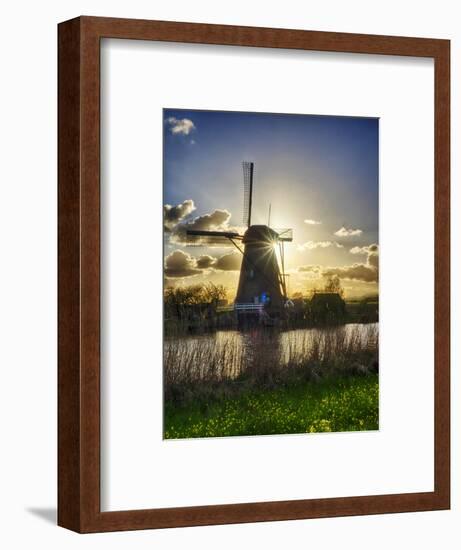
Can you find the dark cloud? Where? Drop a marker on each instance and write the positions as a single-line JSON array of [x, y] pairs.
[[371, 252], [357, 272], [309, 269], [370, 249], [172, 215], [229, 262], [366, 272], [373, 261], [205, 261], [218, 220], [179, 264]]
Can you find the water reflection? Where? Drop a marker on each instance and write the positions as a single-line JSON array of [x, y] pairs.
[[226, 354]]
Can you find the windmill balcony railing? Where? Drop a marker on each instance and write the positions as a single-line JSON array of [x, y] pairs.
[[249, 307]]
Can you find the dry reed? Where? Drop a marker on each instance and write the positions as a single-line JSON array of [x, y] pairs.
[[231, 360]]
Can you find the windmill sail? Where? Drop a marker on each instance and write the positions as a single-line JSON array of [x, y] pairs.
[[248, 170], [196, 237], [225, 234]]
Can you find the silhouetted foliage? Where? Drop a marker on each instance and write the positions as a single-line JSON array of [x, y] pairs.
[[333, 285]]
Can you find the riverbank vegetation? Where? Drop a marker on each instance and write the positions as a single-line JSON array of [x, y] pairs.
[[207, 307], [270, 381]]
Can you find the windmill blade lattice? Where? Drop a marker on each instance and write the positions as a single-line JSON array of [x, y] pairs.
[[248, 170], [206, 238]]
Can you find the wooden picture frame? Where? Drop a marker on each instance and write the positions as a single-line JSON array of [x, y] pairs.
[[79, 274]]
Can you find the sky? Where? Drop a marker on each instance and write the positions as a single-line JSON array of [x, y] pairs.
[[319, 174]]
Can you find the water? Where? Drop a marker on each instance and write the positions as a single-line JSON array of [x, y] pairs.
[[226, 353]]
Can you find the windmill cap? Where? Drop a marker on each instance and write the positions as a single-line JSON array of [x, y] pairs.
[[260, 233]]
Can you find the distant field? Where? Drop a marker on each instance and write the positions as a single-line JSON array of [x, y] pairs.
[[347, 403], [362, 312]]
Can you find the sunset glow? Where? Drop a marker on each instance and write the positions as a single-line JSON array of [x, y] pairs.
[[315, 174]]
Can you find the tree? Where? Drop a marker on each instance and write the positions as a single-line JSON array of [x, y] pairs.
[[333, 285], [176, 299], [212, 294]]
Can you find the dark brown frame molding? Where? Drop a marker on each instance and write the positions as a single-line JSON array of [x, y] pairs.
[[79, 284]]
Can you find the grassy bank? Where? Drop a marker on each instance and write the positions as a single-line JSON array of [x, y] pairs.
[[345, 403], [272, 382]]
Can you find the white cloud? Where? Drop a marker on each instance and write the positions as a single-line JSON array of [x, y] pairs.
[[312, 222], [365, 250], [181, 126], [310, 271], [312, 245], [344, 232]]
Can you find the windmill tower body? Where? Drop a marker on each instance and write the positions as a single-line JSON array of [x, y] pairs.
[[260, 281]]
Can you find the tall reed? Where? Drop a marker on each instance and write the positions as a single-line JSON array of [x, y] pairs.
[[266, 358]]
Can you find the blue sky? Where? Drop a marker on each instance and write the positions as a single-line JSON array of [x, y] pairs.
[[321, 169]]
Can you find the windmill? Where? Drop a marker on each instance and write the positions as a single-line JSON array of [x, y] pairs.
[[262, 282]]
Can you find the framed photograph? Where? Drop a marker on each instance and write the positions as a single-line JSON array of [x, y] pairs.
[[253, 274], [262, 337]]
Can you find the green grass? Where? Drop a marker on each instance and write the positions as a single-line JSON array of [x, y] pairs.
[[348, 403]]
